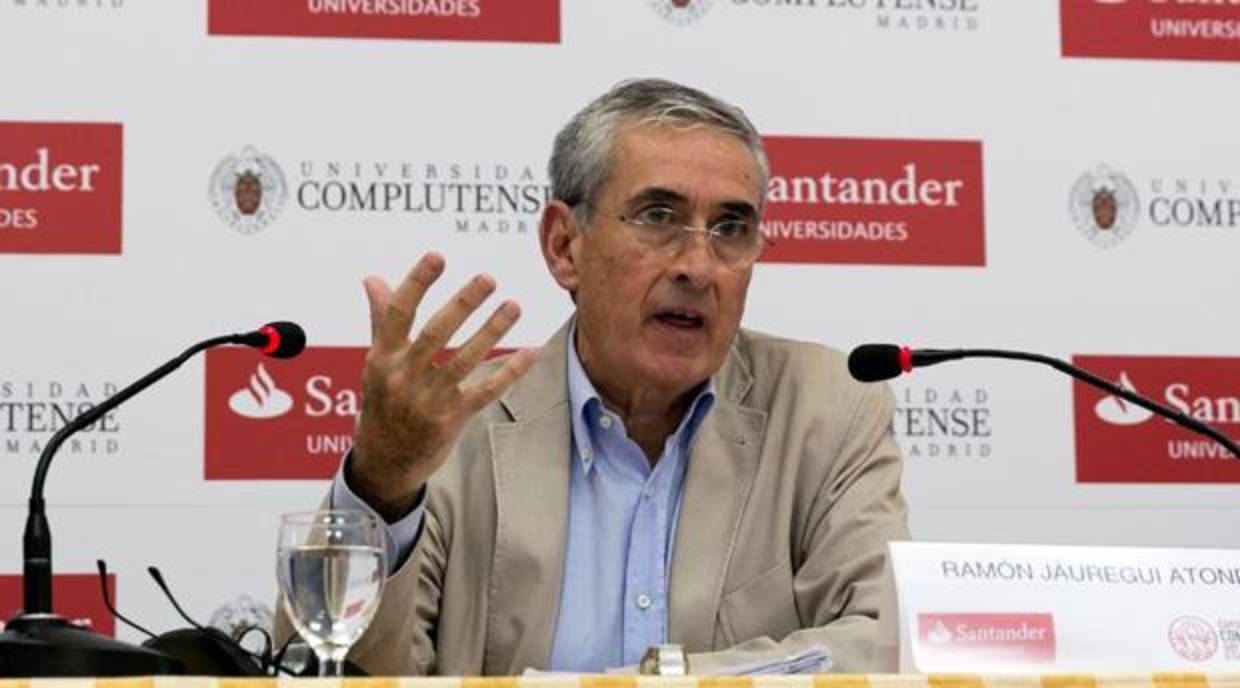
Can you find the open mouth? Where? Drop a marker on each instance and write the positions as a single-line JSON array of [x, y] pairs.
[[680, 319]]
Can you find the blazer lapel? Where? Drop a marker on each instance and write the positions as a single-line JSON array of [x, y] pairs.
[[720, 474], [531, 464]]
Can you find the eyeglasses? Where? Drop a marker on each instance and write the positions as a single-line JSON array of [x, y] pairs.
[[736, 242]]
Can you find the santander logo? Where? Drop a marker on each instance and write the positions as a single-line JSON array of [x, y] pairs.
[[940, 634], [261, 398], [1120, 442], [1150, 29], [901, 188], [41, 175], [1117, 411], [1177, 395], [958, 641], [60, 187], [281, 419], [874, 201], [527, 21]]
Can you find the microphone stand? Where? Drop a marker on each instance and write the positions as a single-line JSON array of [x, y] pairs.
[[925, 357], [41, 643]]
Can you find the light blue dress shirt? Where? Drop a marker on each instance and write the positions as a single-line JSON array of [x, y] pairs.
[[622, 519]]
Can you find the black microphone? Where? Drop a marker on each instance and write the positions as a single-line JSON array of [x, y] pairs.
[[206, 650], [107, 600], [44, 644], [878, 362], [279, 339], [163, 585]]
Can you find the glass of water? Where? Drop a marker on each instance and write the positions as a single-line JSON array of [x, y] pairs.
[[331, 568]]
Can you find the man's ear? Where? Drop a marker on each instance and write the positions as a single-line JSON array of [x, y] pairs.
[[558, 234]]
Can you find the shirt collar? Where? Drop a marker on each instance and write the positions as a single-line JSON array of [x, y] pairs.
[[586, 405]]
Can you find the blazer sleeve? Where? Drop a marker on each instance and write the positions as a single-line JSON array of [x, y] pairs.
[[855, 511], [400, 639]]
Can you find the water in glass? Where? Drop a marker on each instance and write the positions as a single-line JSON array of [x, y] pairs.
[[331, 571]]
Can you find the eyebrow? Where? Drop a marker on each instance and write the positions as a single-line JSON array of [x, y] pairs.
[[659, 194], [744, 209]]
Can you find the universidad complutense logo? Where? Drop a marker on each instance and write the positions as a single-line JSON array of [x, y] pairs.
[[34, 408], [63, 6], [60, 187], [1120, 442], [247, 190], [874, 201], [1150, 29], [1107, 208], [1104, 206], [291, 419], [76, 596], [1193, 638], [920, 16], [952, 423], [681, 12], [958, 640], [250, 190], [527, 21]]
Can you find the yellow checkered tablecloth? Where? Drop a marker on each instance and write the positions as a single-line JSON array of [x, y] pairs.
[[1169, 680]]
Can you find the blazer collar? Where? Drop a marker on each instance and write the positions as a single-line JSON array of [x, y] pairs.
[[545, 386]]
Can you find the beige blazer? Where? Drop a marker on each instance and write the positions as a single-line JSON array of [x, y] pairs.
[[791, 494]]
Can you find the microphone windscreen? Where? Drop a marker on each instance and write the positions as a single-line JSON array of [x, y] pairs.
[[875, 362], [285, 339]]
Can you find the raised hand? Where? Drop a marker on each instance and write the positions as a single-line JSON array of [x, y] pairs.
[[413, 410]]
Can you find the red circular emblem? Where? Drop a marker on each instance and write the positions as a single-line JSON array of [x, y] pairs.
[[1192, 638]]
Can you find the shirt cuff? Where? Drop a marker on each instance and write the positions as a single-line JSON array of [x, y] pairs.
[[399, 536]]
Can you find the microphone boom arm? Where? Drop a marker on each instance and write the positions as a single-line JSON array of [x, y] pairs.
[[37, 538]]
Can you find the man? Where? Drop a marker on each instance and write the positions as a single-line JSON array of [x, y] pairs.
[[656, 474]]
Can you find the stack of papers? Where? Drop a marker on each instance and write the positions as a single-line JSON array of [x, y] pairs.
[[812, 660]]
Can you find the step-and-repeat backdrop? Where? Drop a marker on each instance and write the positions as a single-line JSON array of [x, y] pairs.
[[1061, 176]]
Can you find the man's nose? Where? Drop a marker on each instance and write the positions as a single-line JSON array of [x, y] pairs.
[[694, 261]]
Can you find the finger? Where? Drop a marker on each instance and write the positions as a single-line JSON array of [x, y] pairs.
[[480, 344], [397, 317], [378, 294], [484, 392], [448, 319]]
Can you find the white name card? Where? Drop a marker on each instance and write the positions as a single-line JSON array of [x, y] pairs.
[[1034, 609]]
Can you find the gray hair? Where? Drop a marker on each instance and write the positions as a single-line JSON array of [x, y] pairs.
[[581, 158]]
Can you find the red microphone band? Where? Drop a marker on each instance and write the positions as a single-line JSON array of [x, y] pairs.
[[273, 339], [906, 359]]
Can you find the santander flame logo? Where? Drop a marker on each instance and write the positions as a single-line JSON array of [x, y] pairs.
[[940, 634], [1116, 411], [261, 398]]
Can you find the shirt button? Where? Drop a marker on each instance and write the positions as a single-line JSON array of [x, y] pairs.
[[585, 454], [605, 421], [647, 493], [644, 601]]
